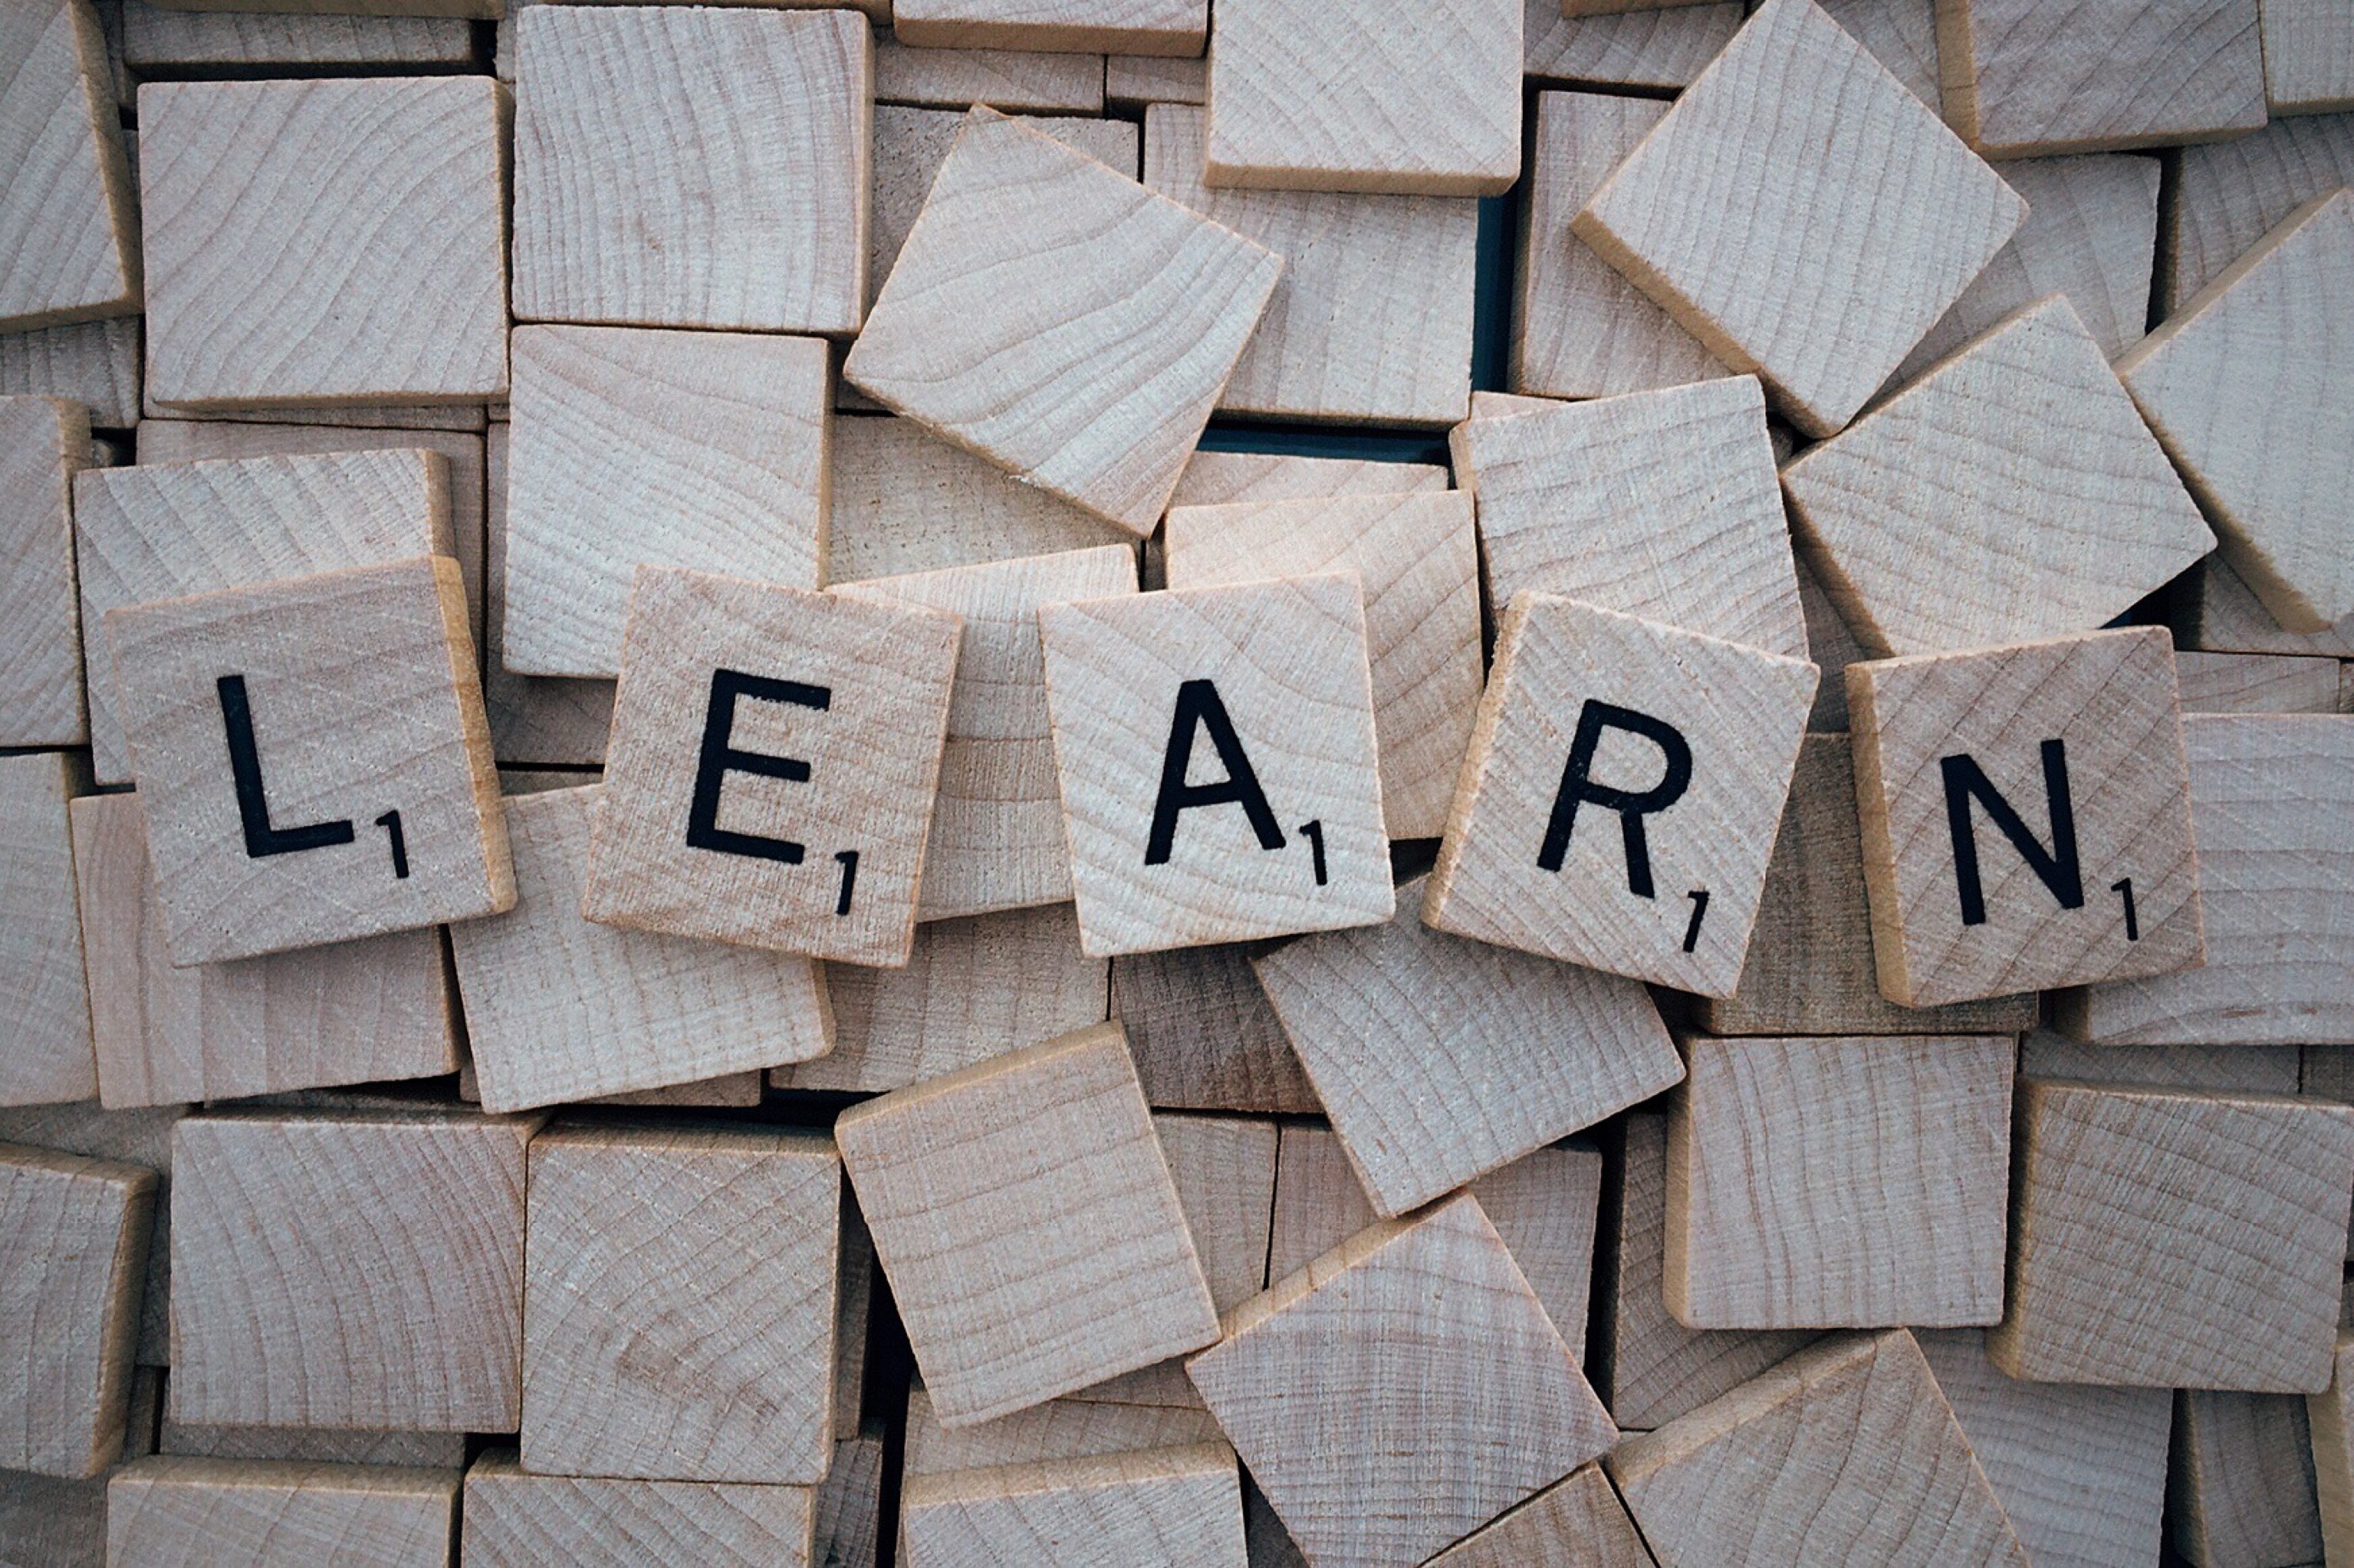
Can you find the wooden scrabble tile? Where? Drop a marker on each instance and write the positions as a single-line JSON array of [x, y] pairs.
[[972, 990], [1060, 1429], [2022, 79], [560, 1009], [1440, 1060], [848, 1505], [1798, 140], [45, 1055], [2230, 194], [634, 204], [167, 1512], [637, 1361], [2308, 57], [2329, 1415], [1276, 672], [68, 198], [315, 1445], [134, 1138], [1660, 48], [1417, 557], [1135, 82], [2249, 1069], [1826, 1183], [1203, 1034], [1213, 479], [2241, 1485], [1028, 80], [715, 673], [1179, 27], [1371, 1451], [2231, 1199], [73, 1254], [2257, 683], [2026, 816], [1020, 1277], [1318, 1200], [1165, 1505], [1356, 96], [1709, 733], [367, 1011], [2255, 351], [349, 1270], [669, 449], [156, 41], [95, 364], [1844, 1453], [1371, 318], [2221, 614], [1902, 35], [1090, 380], [515, 1519], [1577, 1522], [997, 839], [44, 442], [1661, 504], [533, 718]]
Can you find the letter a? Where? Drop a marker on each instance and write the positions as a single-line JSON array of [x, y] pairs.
[[1198, 707]]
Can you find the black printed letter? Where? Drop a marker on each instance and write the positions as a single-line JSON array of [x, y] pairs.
[[1632, 805], [1198, 706], [719, 759], [261, 840], [2058, 870]]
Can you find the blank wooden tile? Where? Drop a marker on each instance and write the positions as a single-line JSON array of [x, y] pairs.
[[1671, 895], [1417, 557], [45, 1055], [1845, 1453], [2256, 351], [44, 442], [641, 1358], [1386, 1413], [2241, 1485], [1134, 81], [315, 1445], [134, 1138], [514, 1520], [1179, 27], [2233, 1199], [1578, 1523], [1356, 96], [2085, 871], [543, 719], [181, 1512], [1801, 143], [2256, 1069], [1060, 1429], [1166, 1505], [73, 1255], [1319, 1201], [2333, 1452], [156, 41], [1203, 1034], [2257, 683], [1287, 835], [1902, 35], [68, 198], [2230, 194], [1660, 48], [1028, 1225], [2096, 75], [95, 364], [560, 1009], [1372, 319], [1828, 1183], [1546, 1206], [2221, 614], [2308, 57], [349, 1270], [1027, 79], [667, 448], [635, 204], [1217, 478], [1091, 380]]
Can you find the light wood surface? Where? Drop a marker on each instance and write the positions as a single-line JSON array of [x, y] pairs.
[[1318, 1200], [2257, 683], [185, 1512], [73, 1256], [1028, 80], [1060, 1429], [1578, 1523], [2231, 192], [2242, 1484], [542, 719], [1165, 1505], [1831, 643], [2222, 614], [2308, 57], [1546, 1206], [1658, 49], [315, 1445], [134, 1138], [46, 1054], [2254, 1069], [1132, 81], [95, 364], [1179, 27], [156, 41], [849, 1505], [44, 442], [1202, 1031], [1902, 35], [1214, 479], [68, 207], [515, 1521]]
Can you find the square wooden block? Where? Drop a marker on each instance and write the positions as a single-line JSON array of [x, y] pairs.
[[355, 794], [349, 1270], [333, 241], [2238, 1201], [2026, 815], [1159, 1505], [638, 202], [73, 1257], [1179, 27], [1799, 140], [640, 1359], [1283, 831], [1091, 378], [44, 442], [1417, 556], [1578, 1523], [515, 1520], [560, 1009], [68, 198], [2308, 57], [1028, 1225], [46, 1054], [1688, 741], [1356, 95], [1825, 1183], [1845, 1453], [133, 1137], [1403, 1390], [666, 449], [997, 827], [172, 1512], [2241, 1486]]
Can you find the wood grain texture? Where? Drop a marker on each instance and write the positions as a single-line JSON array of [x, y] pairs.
[[95, 364], [634, 206], [1370, 321], [474, 417], [1656, 49], [1031, 80], [1845, 1453], [2252, 1069], [2308, 57], [1216, 479], [73, 1256], [349, 1270], [1660, 505], [1440, 1060], [1133, 81], [1169, 1505], [68, 208], [1319, 1201], [1546, 1206], [533, 719], [1091, 380], [1028, 1225], [1794, 166], [1902, 35], [515, 1521], [558, 1009], [849, 1505], [315, 1445], [134, 1138], [46, 1054], [2231, 194], [2242, 1483], [2235, 1200], [1831, 643], [2222, 614], [1203, 1034], [1577, 1522], [1353, 95], [1060, 1429], [1179, 27], [2254, 352], [670, 449], [2328, 1417], [185, 1513], [1401, 1390], [2104, 708], [2090, 76], [872, 754], [2257, 683], [324, 242], [1853, 1183], [1742, 713], [157, 40], [48, 1523], [44, 442]]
